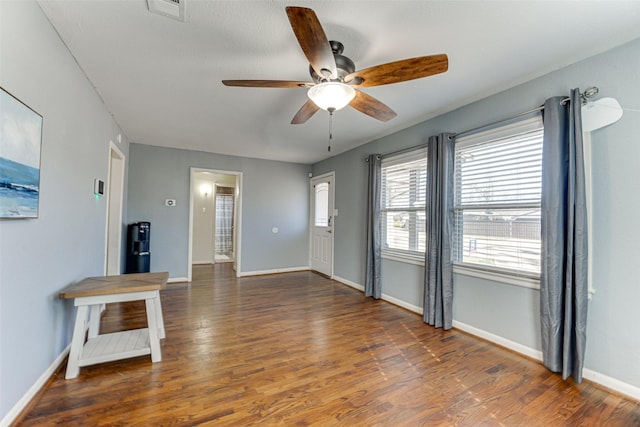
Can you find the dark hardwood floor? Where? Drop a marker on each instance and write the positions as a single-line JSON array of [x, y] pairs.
[[298, 349]]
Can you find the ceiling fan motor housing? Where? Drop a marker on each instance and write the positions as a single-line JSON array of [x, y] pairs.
[[344, 65]]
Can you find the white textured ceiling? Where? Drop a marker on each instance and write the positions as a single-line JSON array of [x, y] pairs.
[[161, 78]]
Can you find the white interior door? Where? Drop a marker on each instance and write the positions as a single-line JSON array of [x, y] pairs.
[[321, 221]]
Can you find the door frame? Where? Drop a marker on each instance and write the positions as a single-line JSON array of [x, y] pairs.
[[113, 227], [332, 193], [237, 218]]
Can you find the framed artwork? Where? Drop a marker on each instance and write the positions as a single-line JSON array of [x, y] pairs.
[[20, 144]]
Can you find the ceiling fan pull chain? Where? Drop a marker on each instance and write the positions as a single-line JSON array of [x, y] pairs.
[[330, 129]]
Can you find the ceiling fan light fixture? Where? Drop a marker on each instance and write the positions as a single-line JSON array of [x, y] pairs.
[[331, 96]]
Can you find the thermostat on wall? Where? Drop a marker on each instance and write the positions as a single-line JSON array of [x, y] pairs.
[[98, 187]]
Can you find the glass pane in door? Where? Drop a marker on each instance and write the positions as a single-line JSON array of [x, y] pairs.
[[322, 205]]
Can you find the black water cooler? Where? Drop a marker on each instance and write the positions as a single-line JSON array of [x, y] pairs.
[[138, 255]]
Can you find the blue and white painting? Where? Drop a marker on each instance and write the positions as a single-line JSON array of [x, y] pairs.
[[20, 138]]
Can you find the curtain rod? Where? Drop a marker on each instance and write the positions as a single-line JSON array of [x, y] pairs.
[[393, 153], [515, 116], [585, 96]]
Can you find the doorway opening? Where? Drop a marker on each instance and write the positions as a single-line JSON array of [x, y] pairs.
[[115, 195], [214, 219]]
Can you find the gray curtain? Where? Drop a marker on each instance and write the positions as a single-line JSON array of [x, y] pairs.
[[438, 271], [563, 277], [372, 287]]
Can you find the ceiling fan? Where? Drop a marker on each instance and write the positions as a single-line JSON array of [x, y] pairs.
[[334, 77]]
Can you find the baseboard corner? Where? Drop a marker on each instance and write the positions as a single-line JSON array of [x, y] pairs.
[[24, 401]]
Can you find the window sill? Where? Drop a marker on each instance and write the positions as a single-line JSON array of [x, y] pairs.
[[526, 281], [404, 257]]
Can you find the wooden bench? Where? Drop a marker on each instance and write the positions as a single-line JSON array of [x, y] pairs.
[[90, 295]]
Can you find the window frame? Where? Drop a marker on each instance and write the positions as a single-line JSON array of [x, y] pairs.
[[396, 254], [496, 274]]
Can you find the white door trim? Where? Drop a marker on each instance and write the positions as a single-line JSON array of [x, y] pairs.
[[237, 218], [331, 176], [118, 191]]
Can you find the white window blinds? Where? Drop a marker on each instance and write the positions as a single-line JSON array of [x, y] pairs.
[[498, 189], [403, 202]]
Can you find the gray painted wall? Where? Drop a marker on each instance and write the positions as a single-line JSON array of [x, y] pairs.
[[275, 194], [39, 257], [511, 312]]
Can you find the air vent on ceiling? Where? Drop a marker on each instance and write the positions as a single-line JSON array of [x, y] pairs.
[[170, 8]]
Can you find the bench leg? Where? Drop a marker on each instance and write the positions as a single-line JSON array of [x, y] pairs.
[[94, 320], [152, 322], [77, 342], [159, 318]]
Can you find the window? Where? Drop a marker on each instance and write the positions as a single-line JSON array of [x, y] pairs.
[[403, 204], [322, 204], [497, 207]]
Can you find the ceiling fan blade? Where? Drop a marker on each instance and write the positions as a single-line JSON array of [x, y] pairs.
[[312, 40], [400, 71], [267, 83], [305, 113], [370, 106]]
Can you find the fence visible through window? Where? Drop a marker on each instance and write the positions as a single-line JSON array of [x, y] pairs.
[[502, 242]]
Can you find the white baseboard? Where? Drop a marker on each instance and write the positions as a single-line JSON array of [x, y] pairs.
[[385, 297], [612, 383], [497, 339], [403, 304], [348, 283], [593, 376], [274, 271], [31, 393], [177, 280]]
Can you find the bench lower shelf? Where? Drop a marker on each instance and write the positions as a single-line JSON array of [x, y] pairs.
[[115, 346]]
